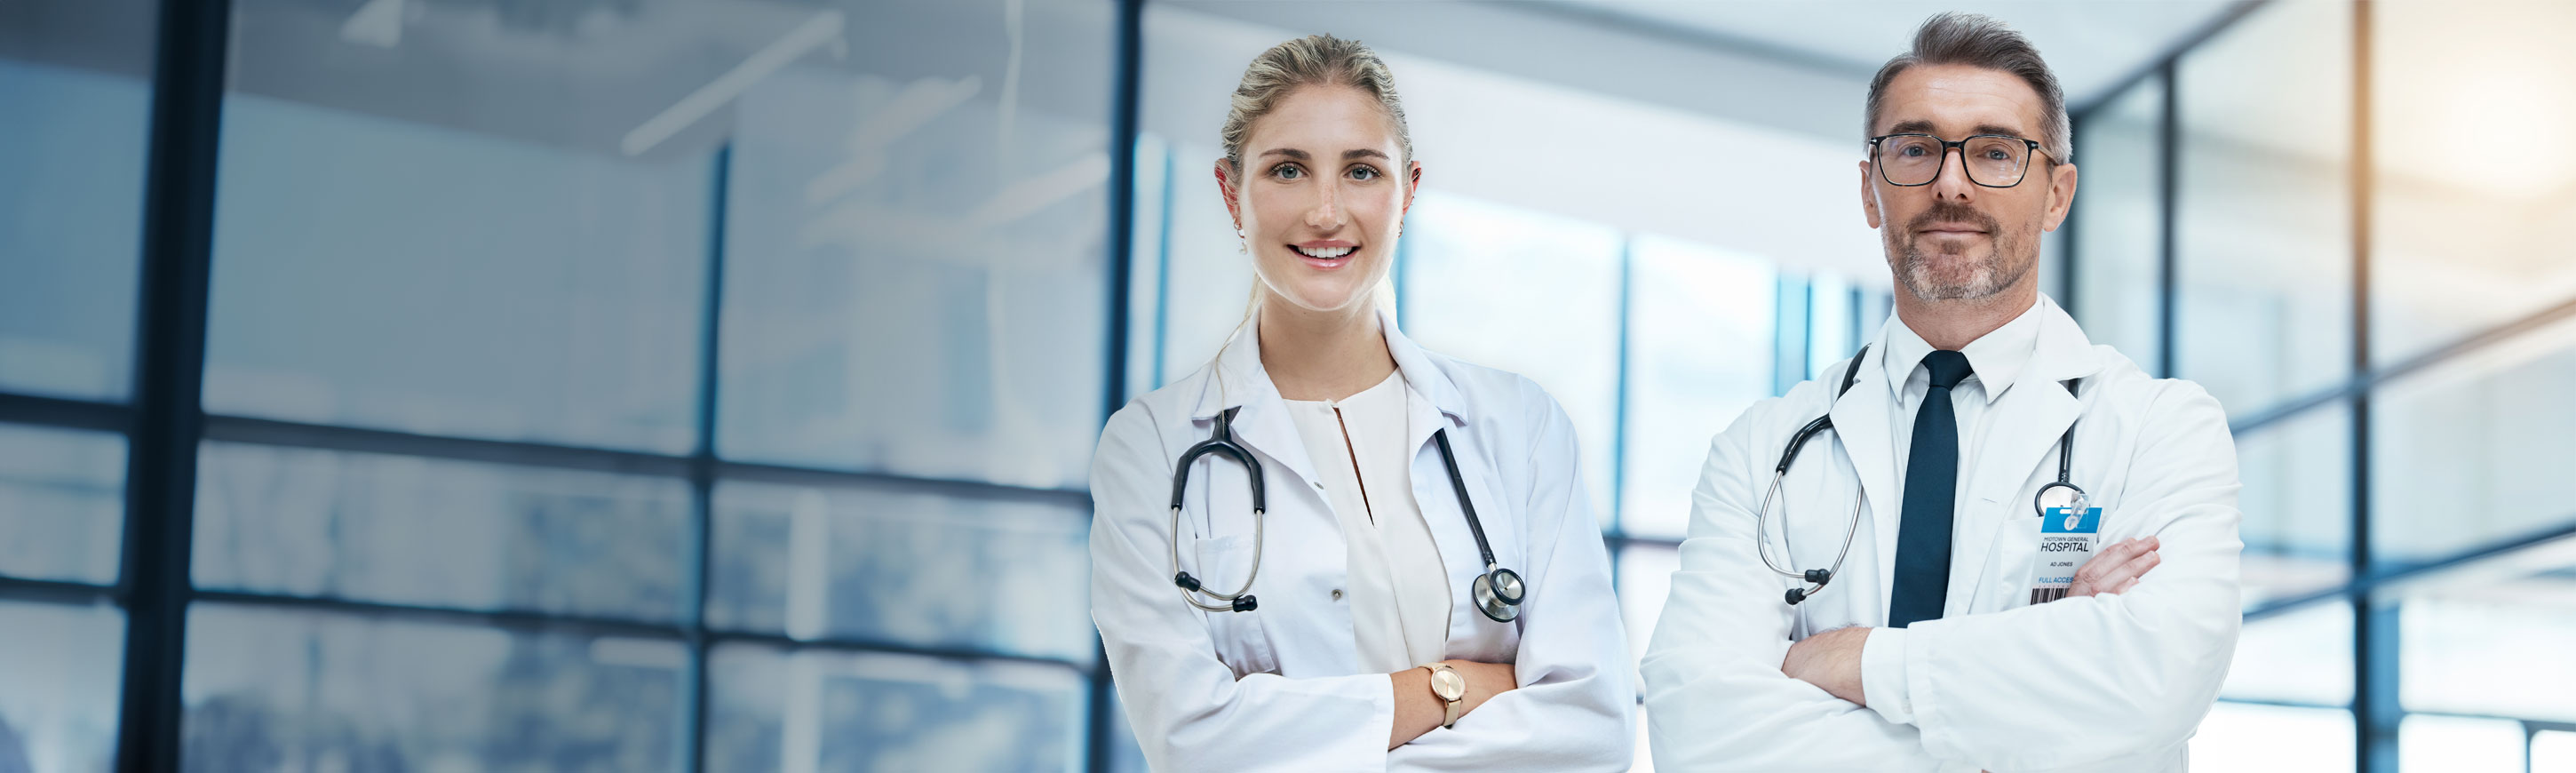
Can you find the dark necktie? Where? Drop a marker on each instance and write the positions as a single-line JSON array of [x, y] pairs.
[[1931, 489]]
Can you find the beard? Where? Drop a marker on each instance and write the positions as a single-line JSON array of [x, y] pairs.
[[1957, 277]]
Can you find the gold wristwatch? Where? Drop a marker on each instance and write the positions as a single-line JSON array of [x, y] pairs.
[[1450, 688]]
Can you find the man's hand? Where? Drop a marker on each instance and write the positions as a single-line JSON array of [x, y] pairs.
[[1830, 660], [2116, 569]]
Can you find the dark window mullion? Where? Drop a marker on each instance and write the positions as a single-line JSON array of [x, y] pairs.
[[169, 373], [2376, 708], [1127, 79], [512, 453], [514, 619], [702, 474], [2168, 222], [1618, 478], [57, 591], [37, 411]]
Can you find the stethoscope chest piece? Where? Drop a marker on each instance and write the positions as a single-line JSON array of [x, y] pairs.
[[1498, 593]]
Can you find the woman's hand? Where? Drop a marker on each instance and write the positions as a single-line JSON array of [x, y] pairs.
[[1418, 711]]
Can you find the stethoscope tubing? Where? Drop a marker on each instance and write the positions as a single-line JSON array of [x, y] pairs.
[[1497, 591]]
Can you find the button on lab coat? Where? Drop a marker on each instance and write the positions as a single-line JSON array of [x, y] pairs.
[[1279, 688], [2100, 683]]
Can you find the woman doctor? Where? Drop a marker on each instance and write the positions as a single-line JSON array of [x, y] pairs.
[[1360, 621]]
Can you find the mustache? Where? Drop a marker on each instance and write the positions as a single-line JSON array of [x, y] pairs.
[[1952, 212]]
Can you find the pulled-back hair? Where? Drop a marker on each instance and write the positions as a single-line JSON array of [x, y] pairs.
[[1313, 60]]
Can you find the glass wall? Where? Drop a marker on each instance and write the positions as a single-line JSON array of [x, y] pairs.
[[1488, 266], [76, 79], [1699, 353], [2263, 232], [2468, 234], [2118, 235], [589, 386], [2472, 280], [2440, 439]]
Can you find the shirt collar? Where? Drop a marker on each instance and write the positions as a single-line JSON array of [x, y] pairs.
[[1995, 358]]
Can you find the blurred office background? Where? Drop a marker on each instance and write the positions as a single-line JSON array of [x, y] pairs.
[[664, 385]]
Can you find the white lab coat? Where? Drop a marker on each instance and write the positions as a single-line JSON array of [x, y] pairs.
[[2101, 683], [1279, 688]]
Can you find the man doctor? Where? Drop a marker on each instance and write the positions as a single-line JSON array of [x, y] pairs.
[[1964, 629]]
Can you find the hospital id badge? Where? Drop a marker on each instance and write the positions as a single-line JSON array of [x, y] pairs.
[[2067, 538]]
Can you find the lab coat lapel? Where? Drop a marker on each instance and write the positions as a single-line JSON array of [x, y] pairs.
[[2019, 440], [1863, 421], [1440, 511], [1435, 404], [2020, 436]]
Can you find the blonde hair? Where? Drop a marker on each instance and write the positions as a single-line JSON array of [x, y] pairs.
[[1313, 60]]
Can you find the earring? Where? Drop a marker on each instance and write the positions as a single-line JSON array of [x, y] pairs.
[[1242, 244]]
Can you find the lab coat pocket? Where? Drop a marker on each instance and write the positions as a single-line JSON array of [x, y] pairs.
[[1240, 639], [2015, 561]]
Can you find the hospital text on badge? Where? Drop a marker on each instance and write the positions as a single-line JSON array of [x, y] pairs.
[[2066, 540]]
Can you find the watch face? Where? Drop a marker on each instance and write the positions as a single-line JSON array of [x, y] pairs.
[[1448, 685]]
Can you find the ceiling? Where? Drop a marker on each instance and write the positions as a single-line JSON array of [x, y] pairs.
[[2092, 44]]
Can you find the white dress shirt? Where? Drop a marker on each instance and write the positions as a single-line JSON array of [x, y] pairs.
[[1994, 358]]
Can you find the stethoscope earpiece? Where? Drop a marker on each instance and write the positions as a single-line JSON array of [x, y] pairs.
[[1220, 443], [1816, 578]]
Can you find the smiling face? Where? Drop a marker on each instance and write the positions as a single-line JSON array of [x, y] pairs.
[[1953, 239], [1321, 197]]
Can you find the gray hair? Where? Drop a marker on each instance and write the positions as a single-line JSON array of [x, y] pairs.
[[1978, 40], [1313, 60]]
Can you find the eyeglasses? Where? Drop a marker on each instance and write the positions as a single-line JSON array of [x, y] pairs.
[[1991, 160]]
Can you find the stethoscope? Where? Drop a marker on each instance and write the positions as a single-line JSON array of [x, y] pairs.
[[2062, 493], [1497, 591]]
